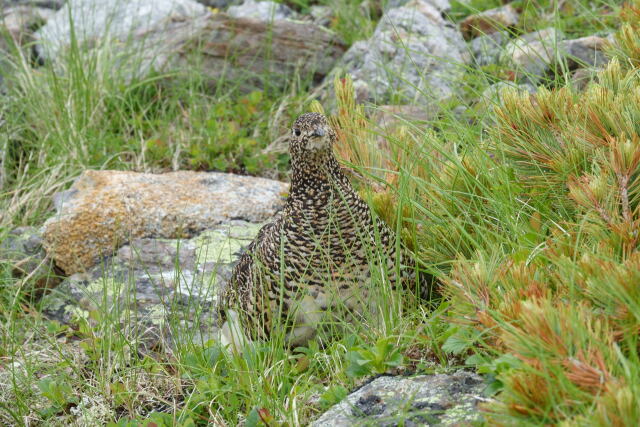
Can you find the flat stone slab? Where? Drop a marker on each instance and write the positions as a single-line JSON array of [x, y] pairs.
[[105, 209], [440, 399]]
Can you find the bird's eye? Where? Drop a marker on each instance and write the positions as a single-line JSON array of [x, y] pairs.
[[297, 132]]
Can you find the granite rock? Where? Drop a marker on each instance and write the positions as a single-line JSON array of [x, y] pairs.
[[261, 10], [389, 117], [22, 249], [106, 209], [182, 36], [441, 5], [20, 21], [581, 78], [258, 48], [492, 94], [218, 4], [414, 54], [534, 55], [486, 49], [158, 290], [321, 15], [440, 399], [585, 52], [96, 21], [47, 4], [17, 25]]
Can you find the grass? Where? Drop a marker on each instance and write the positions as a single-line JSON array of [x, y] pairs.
[[530, 225]]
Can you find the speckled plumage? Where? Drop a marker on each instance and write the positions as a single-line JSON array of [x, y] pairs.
[[316, 249]]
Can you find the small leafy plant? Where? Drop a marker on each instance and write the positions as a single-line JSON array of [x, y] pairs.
[[376, 359], [59, 394]]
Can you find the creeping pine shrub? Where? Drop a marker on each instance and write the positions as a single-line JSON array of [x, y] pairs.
[[570, 310], [542, 217]]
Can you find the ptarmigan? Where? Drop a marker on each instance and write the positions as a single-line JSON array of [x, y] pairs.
[[317, 249]]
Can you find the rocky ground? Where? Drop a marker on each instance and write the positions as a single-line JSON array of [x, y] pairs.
[[158, 246]]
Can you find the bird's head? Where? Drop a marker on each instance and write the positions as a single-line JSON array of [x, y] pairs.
[[311, 135]]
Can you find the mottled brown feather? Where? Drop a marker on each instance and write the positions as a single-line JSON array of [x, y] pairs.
[[322, 236]]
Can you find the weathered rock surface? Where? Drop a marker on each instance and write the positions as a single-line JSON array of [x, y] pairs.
[[153, 286], [414, 54], [170, 35], [489, 21], [534, 54], [105, 209], [96, 21], [486, 49], [247, 49], [20, 21], [261, 10], [47, 4], [22, 248], [585, 51], [321, 15], [440, 5], [17, 24], [218, 4], [441, 399]]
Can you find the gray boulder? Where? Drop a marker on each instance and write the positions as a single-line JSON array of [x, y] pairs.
[[585, 52], [20, 21], [155, 287], [184, 36], [96, 21], [441, 399], [22, 249], [414, 56], [218, 4], [321, 15], [535, 54], [261, 10], [441, 5], [17, 24], [388, 117], [581, 78], [106, 209], [47, 4], [486, 49], [493, 94]]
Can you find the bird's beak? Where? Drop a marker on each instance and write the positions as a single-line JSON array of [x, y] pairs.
[[318, 132]]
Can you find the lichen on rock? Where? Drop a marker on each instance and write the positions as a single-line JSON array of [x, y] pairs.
[[105, 209], [439, 399], [151, 286]]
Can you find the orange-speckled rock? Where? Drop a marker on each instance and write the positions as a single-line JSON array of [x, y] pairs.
[[105, 209]]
